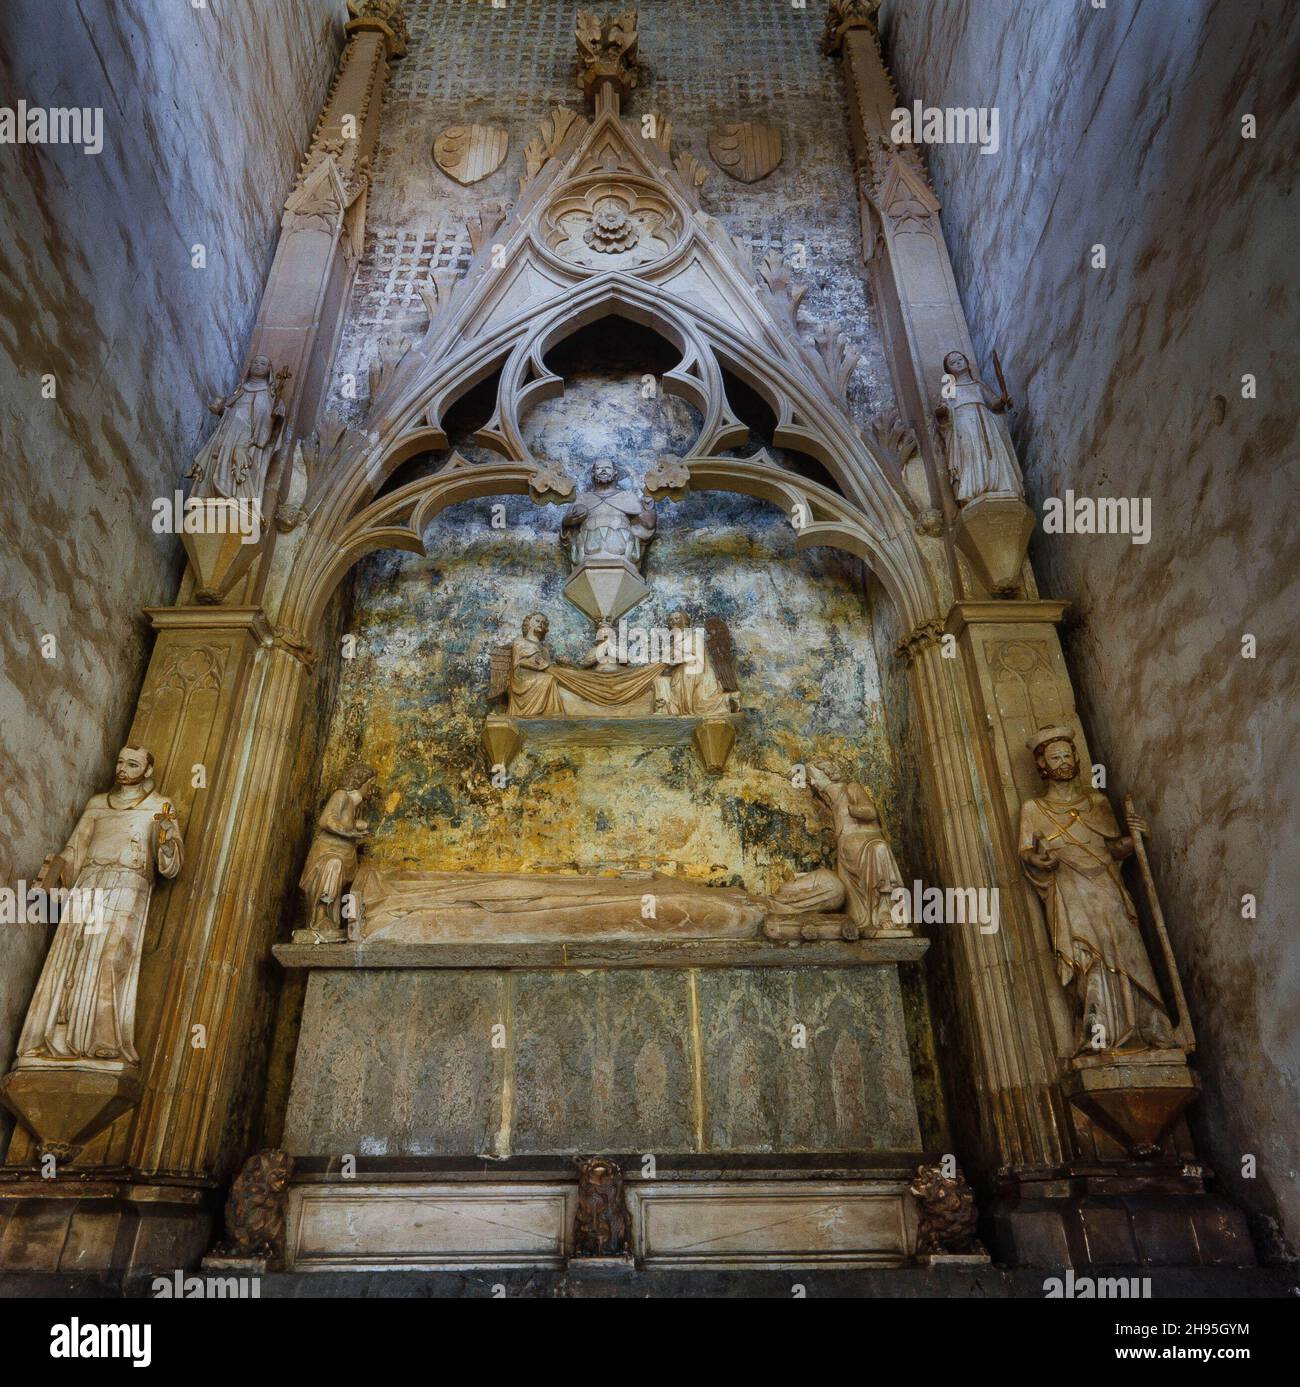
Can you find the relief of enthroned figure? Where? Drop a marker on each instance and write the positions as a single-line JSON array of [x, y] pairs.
[[607, 523]]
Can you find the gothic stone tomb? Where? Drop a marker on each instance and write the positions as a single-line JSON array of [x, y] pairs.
[[589, 734]]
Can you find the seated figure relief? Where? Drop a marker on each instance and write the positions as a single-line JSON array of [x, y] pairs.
[[538, 685], [703, 680]]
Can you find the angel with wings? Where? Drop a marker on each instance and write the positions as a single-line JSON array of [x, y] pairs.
[[703, 682]]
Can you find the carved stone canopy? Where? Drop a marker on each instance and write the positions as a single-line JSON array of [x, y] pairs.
[[843, 15], [610, 223]]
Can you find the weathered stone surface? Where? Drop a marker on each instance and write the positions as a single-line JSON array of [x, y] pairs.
[[412, 702], [602, 1062], [397, 1064], [99, 291], [1124, 128], [802, 1059], [727, 62], [417, 1062]]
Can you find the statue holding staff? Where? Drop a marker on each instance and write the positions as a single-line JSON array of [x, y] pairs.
[[1071, 848]]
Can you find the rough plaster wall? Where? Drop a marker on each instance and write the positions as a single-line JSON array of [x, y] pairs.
[[1122, 126], [206, 114]]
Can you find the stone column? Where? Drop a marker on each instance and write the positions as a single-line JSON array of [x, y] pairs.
[[223, 693], [1068, 1190], [1002, 1007], [221, 709], [322, 238], [916, 296]]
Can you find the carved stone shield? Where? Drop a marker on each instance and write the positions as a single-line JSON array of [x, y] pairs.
[[470, 152], [747, 152]]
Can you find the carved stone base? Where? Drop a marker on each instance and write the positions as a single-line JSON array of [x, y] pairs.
[[501, 741], [320, 936], [100, 1223], [605, 592], [993, 532], [1134, 1100], [602, 1268], [398, 1224], [713, 737], [1150, 1213], [64, 1105], [239, 1266]]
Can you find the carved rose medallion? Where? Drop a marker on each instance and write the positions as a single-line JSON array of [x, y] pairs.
[[612, 231], [747, 152], [469, 153], [609, 223]]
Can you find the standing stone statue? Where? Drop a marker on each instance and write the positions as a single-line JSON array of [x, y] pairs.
[[84, 1007], [980, 461], [332, 858], [606, 531], [861, 886], [233, 463], [1071, 848]]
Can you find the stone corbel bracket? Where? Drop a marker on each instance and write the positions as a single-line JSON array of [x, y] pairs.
[[713, 738]]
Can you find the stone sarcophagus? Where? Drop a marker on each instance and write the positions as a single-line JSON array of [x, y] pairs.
[[747, 1092]]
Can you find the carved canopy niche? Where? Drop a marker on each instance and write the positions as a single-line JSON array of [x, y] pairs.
[[608, 222]]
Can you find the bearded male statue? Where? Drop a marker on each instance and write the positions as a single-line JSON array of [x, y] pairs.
[[607, 523], [1071, 848]]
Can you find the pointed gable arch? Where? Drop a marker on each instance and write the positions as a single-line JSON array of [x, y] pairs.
[[608, 223]]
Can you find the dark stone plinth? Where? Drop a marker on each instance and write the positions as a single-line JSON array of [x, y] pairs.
[[82, 1222], [1144, 1229]]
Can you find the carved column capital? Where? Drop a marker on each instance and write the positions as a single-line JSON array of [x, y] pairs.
[[923, 634], [843, 15], [381, 16]]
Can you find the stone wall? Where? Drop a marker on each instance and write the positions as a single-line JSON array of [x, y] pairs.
[[1122, 126], [205, 116]]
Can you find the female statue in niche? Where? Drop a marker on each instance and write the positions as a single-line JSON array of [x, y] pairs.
[[980, 461], [233, 463]]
